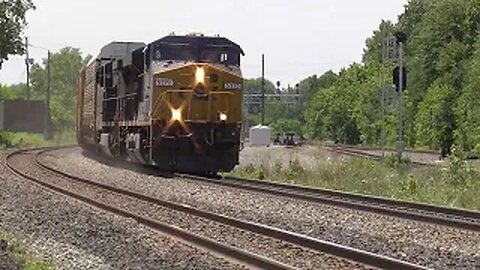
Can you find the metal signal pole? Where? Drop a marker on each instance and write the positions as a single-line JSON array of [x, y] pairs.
[[263, 89], [27, 64], [400, 146], [384, 57]]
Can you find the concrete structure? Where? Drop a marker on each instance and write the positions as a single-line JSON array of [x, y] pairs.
[[260, 136], [22, 116]]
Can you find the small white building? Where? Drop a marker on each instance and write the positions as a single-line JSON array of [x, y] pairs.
[[260, 136]]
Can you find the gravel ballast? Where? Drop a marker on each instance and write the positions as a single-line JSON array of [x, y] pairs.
[[277, 250], [428, 245], [76, 236]]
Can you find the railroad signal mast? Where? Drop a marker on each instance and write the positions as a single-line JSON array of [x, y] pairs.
[[389, 57], [400, 81], [393, 53]]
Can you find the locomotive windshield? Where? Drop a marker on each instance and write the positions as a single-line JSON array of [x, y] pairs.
[[208, 55], [199, 49]]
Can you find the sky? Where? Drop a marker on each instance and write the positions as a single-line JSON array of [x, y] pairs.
[[299, 38]]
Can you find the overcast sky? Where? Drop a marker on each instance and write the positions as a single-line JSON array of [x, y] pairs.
[[299, 38]]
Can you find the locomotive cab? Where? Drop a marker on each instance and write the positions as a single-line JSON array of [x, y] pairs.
[[174, 103]]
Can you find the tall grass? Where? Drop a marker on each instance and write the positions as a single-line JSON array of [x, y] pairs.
[[456, 185], [22, 140]]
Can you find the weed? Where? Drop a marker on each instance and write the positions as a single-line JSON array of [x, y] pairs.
[[27, 261], [453, 186]]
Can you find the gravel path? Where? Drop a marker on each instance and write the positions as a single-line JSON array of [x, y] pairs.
[[428, 245], [76, 236]]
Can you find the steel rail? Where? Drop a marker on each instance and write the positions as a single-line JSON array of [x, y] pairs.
[[464, 219], [268, 231], [237, 255], [351, 151]]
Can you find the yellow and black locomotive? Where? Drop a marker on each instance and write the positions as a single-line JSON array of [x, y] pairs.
[[175, 103]]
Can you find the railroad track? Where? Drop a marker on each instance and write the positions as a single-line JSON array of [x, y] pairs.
[[235, 254], [444, 216], [362, 153]]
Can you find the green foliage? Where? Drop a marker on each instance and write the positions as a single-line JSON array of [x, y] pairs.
[[65, 66], [441, 103], [21, 140], [281, 116], [395, 161], [287, 125], [458, 172], [455, 186], [27, 261], [435, 119], [251, 171], [11, 92], [12, 24], [295, 169], [309, 86], [410, 185]]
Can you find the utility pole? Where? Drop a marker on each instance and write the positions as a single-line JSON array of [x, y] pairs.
[[47, 101], [27, 64], [263, 89]]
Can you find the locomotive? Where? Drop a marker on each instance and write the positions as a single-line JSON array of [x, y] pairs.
[[175, 103]]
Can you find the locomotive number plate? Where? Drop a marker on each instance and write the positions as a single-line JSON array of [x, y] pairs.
[[163, 82], [233, 86]]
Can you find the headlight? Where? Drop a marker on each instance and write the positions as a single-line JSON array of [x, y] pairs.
[[176, 115], [223, 117], [200, 75]]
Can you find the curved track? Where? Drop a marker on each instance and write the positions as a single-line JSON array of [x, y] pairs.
[[451, 217], [236, 254]]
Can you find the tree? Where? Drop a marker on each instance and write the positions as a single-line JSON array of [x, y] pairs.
[[287, 125], [11, 92], [435, 120], [65, 66], [12, 24], [309, 86], [467, 109]]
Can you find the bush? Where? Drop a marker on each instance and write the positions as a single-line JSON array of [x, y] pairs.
[[395, 161], [410, 185], [458, 172], [277, 168], [295, 169], [21, 140]]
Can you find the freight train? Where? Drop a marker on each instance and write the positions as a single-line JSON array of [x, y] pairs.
[[175, 103]]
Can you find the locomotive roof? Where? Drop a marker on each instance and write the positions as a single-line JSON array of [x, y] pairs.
[[196, 41]]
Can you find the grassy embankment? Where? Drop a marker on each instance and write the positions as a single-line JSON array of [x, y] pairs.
[[28, 140], [457, 185], [22, 257]]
